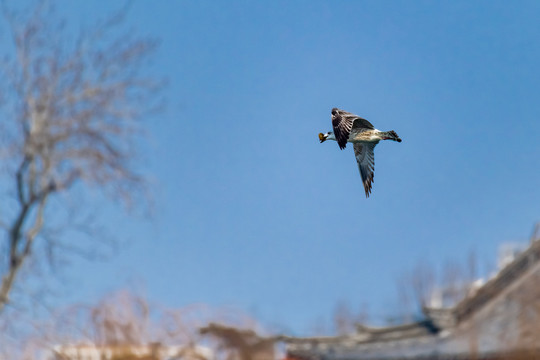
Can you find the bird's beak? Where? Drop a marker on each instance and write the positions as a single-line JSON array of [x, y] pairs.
[[322, 137]]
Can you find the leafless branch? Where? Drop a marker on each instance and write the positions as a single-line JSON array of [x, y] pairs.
[[124, 320], [72, 106]]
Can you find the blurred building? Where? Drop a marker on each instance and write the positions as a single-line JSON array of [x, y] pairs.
[[241, 344], [154, 351], [496, 319], [234, 344]]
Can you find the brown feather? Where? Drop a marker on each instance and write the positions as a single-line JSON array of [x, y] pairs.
[[344, 123], [366, 163]]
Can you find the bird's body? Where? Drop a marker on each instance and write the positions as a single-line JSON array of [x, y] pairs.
[[367, 136], [354, 129]]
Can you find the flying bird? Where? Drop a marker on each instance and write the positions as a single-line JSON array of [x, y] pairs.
[[352, 128]]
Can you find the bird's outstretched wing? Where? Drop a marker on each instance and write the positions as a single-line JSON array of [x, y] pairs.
[[344, 122], [366, 163]]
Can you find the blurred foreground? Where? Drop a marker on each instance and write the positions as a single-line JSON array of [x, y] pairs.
[[496, 319]]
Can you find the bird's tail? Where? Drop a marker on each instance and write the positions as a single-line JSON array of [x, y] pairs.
[[391, 135]]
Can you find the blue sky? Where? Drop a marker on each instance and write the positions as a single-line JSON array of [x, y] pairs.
[[252, 212]]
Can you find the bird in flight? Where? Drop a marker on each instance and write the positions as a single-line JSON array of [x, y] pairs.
[[352, 128]]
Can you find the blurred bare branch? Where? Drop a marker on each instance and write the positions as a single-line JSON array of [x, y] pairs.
[[125, 322], [535, 234], [346, 320], [71, 107], [428, 286]]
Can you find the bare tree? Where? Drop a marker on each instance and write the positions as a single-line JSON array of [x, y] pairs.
[[535, 234], [455, 282], [427, 285], [346, 320], [413, 290], [343, 319], [422, 282], [126, 325], [71, 107]]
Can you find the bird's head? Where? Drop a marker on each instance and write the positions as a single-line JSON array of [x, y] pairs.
[[324, 137]]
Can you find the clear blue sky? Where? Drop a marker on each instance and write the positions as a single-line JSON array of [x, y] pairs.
[[251, 211]]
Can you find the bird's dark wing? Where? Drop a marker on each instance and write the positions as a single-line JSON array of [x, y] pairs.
[[360, 124], [366, 163], [344, 122], [342, 127]]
